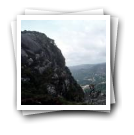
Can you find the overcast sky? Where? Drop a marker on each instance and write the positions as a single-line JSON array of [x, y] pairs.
[[81, 41]]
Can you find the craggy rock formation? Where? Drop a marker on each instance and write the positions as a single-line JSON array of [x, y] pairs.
[[95, 97], [45, 79]]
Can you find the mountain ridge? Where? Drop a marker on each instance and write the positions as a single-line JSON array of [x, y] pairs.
[[90, 74], [87, 64]]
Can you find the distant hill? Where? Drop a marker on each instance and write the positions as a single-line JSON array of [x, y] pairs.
[[90, 74], [94, 68]]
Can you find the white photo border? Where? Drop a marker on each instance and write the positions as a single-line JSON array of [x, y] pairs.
[[63, 17]]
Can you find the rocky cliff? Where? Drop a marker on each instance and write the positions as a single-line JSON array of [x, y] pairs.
[[45, 79]]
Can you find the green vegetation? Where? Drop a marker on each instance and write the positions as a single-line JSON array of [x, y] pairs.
[[90, 74]]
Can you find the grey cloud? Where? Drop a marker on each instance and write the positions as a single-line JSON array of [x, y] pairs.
[[81, 41]]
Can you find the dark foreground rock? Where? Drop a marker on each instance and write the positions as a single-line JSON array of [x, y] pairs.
[[45, 79]]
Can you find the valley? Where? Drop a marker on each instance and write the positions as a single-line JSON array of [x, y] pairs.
[[91, 74]]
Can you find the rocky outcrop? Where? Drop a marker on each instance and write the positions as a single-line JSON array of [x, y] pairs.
[[45, 77], [94, 97]]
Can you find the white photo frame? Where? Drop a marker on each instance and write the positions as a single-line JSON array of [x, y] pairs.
[[63, 107]]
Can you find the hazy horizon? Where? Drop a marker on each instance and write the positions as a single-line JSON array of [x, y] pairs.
[[88, 64]]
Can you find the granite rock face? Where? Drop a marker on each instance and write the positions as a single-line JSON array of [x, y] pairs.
[[45, 77]]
